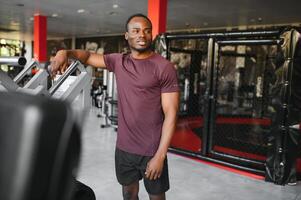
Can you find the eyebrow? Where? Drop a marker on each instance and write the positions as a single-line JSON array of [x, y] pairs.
[[140, 28]]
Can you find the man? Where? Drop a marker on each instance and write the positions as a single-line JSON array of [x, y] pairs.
[[148, 98]]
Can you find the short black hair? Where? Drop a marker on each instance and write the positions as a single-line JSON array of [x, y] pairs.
[[137, 15]]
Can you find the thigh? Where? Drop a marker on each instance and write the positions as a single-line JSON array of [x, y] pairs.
[[160, 185], [126, 171]]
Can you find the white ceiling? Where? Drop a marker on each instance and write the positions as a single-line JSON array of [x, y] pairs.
[[100, 18]]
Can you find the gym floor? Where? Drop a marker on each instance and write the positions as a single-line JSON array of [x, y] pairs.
[[189, 179]]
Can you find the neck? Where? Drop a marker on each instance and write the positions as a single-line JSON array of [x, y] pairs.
[[141, 55]]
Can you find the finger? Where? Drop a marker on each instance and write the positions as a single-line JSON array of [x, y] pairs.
[[158, 175], [152, 175], [146, 174], [147, 171], [155, 176], [53, 74], [66, 65], [53, 68], [64, 68], [53, 65]]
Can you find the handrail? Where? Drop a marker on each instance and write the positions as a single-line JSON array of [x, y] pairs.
[[62, 78]]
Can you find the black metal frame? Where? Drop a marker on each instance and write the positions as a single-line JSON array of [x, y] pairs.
[[215, 160], [212, 114], [215, 41], [228, 35], [282, 148]]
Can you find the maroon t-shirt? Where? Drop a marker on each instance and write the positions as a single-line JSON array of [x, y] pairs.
[[140, 83]]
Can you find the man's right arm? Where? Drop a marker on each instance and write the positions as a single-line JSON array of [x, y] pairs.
[[60, 61]]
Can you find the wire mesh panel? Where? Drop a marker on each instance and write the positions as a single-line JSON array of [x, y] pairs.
[[189, 58], [227, 110], [242, 121]]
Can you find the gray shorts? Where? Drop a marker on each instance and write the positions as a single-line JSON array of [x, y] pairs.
[[131, 167]]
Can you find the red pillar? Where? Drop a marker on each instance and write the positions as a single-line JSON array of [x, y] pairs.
[[157, 13], [40, 38]]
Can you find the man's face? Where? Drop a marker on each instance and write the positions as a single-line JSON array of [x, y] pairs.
[[139, 34]]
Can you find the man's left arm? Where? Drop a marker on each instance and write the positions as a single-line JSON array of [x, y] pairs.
[[170, 105]]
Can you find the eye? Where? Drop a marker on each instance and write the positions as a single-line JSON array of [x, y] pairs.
[[148, 31], [135, 31]]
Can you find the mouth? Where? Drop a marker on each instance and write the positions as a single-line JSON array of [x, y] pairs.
[[141, 43]]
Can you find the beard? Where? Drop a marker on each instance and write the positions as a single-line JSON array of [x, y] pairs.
[[142, 50]]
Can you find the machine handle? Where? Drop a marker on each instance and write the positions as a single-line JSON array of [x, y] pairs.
[[62, 78]]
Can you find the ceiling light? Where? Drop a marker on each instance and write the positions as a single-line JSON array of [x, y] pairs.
[[54, 15], [115, 5], [259, 19], [205, 23], [2, 41], [31, 19], [81, 10]]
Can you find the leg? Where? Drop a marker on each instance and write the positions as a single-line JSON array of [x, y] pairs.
[[130, 192], [157, 197], [156, 188], [127, 174]]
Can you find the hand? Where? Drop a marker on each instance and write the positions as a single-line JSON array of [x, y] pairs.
[[59, 63], [154, 168]]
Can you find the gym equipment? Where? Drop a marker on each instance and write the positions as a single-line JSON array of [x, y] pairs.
[[39, 79], [82, 192], [74, 89], [15, 61], [109, 103], [231, 120], [40, 155], [66, 88], [36, 85]]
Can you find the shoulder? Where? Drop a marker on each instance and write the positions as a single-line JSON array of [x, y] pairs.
[[161, 62], [113, 55], [160, 59], [113, 58]]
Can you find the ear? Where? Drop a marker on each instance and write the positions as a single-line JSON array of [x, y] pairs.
[[126, 35]]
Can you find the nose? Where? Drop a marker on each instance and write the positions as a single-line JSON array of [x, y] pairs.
[[141, 33]]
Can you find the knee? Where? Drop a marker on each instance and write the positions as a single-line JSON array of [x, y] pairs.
[[157, 197], [130, 195]]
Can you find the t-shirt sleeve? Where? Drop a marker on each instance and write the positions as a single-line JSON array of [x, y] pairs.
[[111, 60], [169, 79]]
